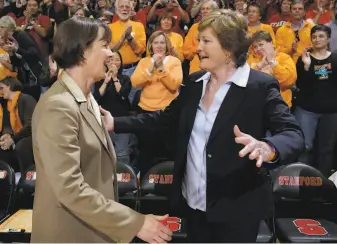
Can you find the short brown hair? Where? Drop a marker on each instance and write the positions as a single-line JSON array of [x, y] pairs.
[[167, 15], [73, 37], [261, 35], [13, 83], [77, 7], [232, 32], [153, 36]]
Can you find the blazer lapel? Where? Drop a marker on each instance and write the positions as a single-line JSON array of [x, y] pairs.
[[229, 106], [93, 123], [192, 105]]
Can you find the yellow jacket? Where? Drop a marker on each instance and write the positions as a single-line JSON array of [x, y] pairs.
[[190, 47], [285, 36], [158, 88], [284, 72]]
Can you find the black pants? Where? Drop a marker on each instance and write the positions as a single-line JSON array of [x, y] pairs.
[[326, 143], [199, 230]]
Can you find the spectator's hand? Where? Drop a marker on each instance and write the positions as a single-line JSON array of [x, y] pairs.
[[108, 76], [158, 60], [114, 71], [306, 58], [153, 231], [263, 63], [11, 45], [269, 53], [6, 141], [107, 119], [128, 30], [258, 150]]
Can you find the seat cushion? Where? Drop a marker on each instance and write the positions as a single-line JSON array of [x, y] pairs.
[[264, 235], [306, 230], [177, 226]]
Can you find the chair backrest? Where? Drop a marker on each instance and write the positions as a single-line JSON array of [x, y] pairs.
[[126, 178], [27, 180], [26, 189], [299, 181], [158, 180], [7, 186]]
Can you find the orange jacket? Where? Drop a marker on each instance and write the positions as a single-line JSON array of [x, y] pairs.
[[285, 36], [284, 72], [190, 47]]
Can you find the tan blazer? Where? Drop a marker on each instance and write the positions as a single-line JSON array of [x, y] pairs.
[[75, 197]]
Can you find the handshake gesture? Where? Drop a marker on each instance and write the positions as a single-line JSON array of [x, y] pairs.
[[153, 231]]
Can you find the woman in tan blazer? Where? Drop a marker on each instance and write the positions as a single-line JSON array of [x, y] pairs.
[[75, 198]]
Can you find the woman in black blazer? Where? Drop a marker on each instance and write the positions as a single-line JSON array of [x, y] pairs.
[[221, 118]]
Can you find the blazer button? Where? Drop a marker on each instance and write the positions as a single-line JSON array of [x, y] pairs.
[[209, 155]]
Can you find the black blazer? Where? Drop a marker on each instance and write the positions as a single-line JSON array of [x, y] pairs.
[[236, 188]]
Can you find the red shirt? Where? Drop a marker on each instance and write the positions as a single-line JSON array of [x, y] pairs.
[[277, 20], [44, 22], [323, 19]]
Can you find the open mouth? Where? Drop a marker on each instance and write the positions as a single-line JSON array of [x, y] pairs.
[[202, 57]]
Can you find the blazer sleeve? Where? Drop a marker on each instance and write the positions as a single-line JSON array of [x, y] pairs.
[[287, 137], [59, 149], [157, 121]]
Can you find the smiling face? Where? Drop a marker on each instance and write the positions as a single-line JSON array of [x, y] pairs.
[[320, 40], [211, 54], [159, 45], [96, 58], [4, 91], [123, 9], [166, 24], [114, 59]]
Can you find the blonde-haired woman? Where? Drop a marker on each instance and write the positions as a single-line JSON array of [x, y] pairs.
[[159, 75]]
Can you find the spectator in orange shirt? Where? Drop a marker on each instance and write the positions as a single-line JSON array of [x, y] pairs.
[[129, 39], [136, 14], [37, 25], [323, 13], [162, 6], [255, 13], [280, 18], [273, 62], [166, 22]]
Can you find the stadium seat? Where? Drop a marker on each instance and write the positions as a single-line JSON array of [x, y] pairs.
[[128, 186], [264, 235], [7, 189], [26, 189], [155, 189], [305, 204]]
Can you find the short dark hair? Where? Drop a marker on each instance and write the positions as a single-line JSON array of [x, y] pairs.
[[167, 15], [293, 2], [261, 35], [323, 28], [13, 83], [73, 37], [256, 5]]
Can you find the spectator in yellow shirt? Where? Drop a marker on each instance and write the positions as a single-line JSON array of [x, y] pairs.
[[191, 42], [128, 38], [166, 22], [293, 37], [254, 16], [273, 62], [159, 76], [5, 63]]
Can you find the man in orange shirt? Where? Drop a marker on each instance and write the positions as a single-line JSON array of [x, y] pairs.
[[129, 39]]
